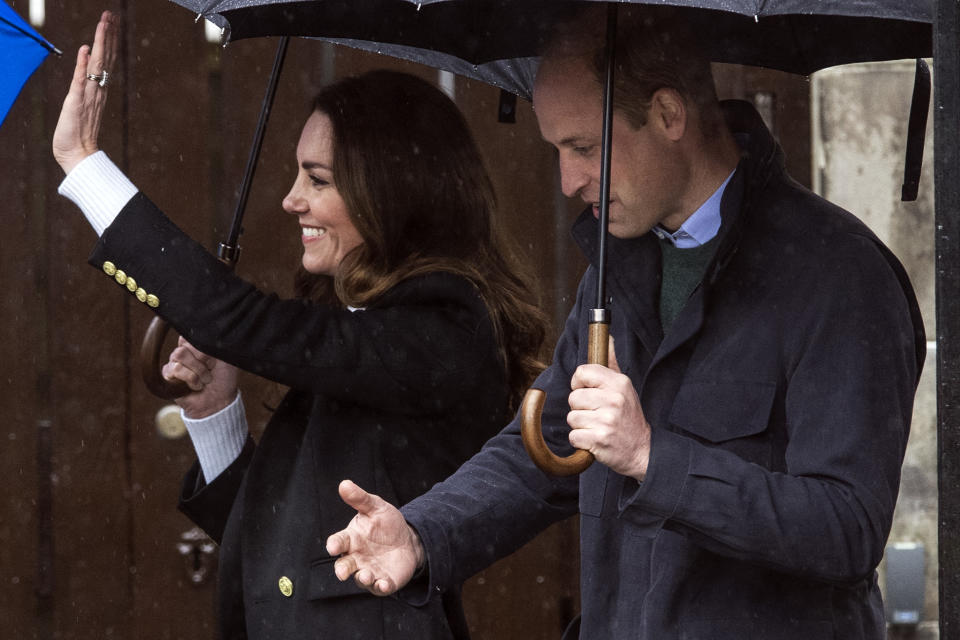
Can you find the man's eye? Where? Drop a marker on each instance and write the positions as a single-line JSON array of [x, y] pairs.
[[583, 151]]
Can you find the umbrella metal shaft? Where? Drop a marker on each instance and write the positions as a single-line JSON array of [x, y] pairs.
[[229, 251], [605, 152]]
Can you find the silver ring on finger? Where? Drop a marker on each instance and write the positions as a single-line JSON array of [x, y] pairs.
[[101, 79]]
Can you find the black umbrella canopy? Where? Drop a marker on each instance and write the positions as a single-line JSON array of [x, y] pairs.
[[497, 40]]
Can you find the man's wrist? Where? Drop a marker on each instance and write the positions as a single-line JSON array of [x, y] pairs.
[[641, 461], [418, 550]]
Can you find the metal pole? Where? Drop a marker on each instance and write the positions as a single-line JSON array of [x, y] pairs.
[[606, 137], [229, 251], [946, 58]]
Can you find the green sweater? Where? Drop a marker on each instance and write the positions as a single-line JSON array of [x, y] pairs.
[[682, 271]]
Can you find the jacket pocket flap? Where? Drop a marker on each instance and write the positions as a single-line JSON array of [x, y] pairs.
[[721, 411], [325, 584]]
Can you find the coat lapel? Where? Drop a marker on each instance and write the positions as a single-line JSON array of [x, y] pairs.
[[633, 279]]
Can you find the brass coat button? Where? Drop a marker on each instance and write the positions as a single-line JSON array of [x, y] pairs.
[[131, 285], [286, 586], [153, 301], [120, 276], [141, 294], [109, 268]]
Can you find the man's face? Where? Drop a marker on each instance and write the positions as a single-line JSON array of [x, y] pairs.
[[645, 177]]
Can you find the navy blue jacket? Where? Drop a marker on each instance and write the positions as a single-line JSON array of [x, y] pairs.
[[395, 397], [780, 401]]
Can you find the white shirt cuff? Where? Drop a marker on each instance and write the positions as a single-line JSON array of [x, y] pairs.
[[99, 188], [219, 438]]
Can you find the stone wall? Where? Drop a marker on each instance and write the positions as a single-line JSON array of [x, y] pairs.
[[859, 116]]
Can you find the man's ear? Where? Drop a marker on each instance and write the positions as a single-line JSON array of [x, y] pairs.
[[670, 110]]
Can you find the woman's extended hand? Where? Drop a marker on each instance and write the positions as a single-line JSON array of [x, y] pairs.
[[214, 382], [79, 125]]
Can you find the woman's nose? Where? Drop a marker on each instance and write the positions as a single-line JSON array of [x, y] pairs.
[[293, 202]]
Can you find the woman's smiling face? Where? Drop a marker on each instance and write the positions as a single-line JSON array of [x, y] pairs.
[[328, 234]]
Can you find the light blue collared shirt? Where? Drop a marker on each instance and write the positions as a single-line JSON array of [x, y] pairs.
[[701, 227]]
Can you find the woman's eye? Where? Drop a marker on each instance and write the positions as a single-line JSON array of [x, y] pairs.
[[318, 182]]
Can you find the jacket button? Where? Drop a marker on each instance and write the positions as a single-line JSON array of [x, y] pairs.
[[120, 276], [141, 294], [153, 301], [286, 586], [109, 268], [131, 284]]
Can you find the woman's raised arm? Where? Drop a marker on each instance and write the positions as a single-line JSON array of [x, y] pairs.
[[79, 125]]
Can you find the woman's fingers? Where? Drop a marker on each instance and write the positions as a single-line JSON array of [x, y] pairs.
[[80, 70], [104, 53], [188, 365], [194, 379], [184, 347]]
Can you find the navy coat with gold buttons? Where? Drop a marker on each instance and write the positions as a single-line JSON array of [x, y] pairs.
[[395, 397], [779, 402]]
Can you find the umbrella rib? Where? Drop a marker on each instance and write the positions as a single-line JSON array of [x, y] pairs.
[[46, 45]]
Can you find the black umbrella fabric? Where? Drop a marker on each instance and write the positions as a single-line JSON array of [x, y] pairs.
[[496, 40]]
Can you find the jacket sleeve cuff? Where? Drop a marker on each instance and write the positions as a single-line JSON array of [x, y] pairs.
[[649, 504], [431, 578], [218, 438], [99, 188], [209, 505]]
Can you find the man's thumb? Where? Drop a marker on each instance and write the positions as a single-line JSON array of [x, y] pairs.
[[612, 357], [356, 497]]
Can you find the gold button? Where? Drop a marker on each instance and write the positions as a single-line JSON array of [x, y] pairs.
[[109, 268], [120, 277], [153, 301], [141, 294], [286, 586], [131, 285]]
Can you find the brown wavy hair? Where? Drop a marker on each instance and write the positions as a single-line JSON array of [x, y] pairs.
[[416, 189]]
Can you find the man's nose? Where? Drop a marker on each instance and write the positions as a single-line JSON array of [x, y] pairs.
[[573, 178]]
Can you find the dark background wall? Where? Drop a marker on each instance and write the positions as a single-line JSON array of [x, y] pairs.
[[89, 536]]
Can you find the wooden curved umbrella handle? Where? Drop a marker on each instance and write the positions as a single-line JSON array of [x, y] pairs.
[[532, 436], [531, 431], [150, 365]]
